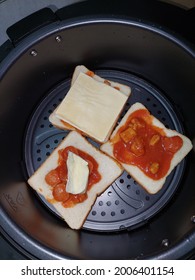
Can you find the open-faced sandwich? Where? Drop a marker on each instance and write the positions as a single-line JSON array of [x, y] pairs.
[[147, 150], [73, 176]]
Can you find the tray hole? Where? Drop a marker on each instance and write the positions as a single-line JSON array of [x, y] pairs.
[[113, 213], [101, 203], [103, 213], [38, 151], [137, 192], [128, 187], [121, 181], [93, 213], [48, 154], [117, 202], [39, 159], [42, 126], [108, 203], [122, 211]]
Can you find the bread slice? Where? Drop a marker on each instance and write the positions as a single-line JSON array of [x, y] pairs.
[[57, 122], [150, 185], [108, 168]]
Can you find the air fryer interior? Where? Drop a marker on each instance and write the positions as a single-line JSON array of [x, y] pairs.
[[125, 222]]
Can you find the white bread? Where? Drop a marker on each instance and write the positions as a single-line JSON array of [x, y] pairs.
[[108, 168], [150, 185], [82, 69]]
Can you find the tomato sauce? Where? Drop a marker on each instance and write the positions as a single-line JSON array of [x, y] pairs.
[[138, 142], [92, 74], [57, 178]]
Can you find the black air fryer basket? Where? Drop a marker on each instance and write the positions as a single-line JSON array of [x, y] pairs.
[[136, 45]]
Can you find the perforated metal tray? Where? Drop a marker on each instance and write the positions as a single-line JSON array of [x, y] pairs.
[[124, 204]]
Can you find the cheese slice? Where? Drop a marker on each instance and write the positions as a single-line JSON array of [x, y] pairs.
[[78, 174], [91, 107]]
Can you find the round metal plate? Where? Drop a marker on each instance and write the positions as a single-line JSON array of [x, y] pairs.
[[125, 204]]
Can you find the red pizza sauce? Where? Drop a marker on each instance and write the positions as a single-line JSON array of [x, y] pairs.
[[92, 74], [57, 178], [138, 142]]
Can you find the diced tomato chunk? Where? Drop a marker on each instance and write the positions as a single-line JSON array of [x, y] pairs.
[[154, 139], [154, 167], [137, 146], [128, 134], [138, 123]]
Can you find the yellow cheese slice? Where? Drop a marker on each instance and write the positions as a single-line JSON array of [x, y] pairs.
[[91, 107]]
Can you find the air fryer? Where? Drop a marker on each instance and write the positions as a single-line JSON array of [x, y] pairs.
[[136, 45]]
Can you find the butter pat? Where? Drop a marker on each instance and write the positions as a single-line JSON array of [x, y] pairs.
[[78, 174], [92, 107]]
